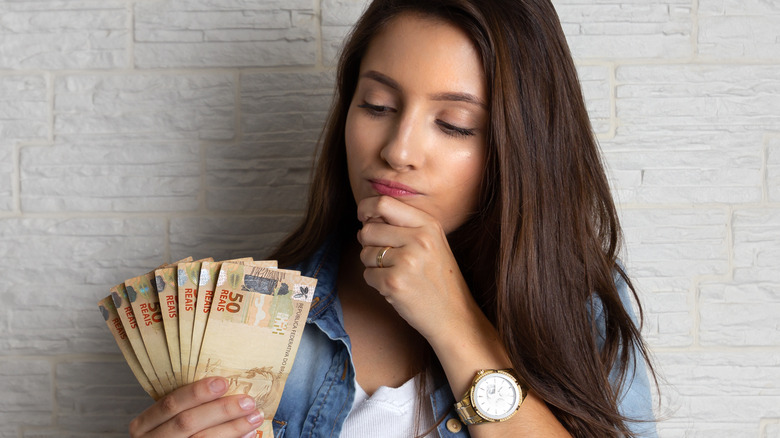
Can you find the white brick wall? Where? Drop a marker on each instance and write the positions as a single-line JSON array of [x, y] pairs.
[[138, 131]]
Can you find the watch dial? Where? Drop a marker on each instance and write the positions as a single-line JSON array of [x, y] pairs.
[[495, 396]]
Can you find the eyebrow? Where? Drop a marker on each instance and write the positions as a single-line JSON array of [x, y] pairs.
[[446, 96]]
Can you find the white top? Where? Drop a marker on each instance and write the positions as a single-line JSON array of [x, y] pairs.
[[388, 413]]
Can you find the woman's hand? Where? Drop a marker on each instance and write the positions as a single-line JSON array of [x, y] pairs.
[[197, 410], [420, 276]]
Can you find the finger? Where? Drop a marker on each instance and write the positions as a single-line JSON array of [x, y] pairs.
[[377, 257], [180, 400], [227, 416], [243, 427], [382, 234], [391, 211]]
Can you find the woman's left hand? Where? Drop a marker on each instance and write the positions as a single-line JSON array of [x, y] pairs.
[[420, 276]]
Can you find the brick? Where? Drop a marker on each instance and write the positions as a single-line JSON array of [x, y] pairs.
[[268, 145], [773, 169], [677, 117], [757, 245], [237, 178], [26, 388], [342, 12], [772, 429], [744, 312], [234, 33], [696, 383], [56, 269], [24, 109], [740, 314], [683, 428], [6, 174], [677, 96], [664, 250], [224, 237], [111, 174], [285, 102], [332, 41], [98, 397], [338, 17], [690, 166], [58, 35], [24, 115], [739, 29], [171, 105], [627, 28], [596, 89]]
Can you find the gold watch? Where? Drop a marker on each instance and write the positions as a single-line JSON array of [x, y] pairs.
[[495, 395]]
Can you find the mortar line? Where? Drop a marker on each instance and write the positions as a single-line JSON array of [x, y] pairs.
[[764, 422], [319, 61], [696, 312], [185, 70], [153, 215], [716, 349]]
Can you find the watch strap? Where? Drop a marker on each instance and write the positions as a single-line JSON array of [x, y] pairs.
[[467, 413]]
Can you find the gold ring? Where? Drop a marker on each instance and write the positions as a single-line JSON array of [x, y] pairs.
[[381, 256]]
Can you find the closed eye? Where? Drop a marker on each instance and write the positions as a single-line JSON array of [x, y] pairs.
[[376, 110], [453, 130]]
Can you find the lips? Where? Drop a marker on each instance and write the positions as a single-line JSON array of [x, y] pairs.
[[391, 188]]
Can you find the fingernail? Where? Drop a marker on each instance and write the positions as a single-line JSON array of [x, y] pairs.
[[256, 418], [217, 385], [246, 403]]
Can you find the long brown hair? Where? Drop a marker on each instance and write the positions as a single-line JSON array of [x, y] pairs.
[[541, 250]]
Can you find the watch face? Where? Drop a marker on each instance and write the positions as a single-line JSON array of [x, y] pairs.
[[496, 396]]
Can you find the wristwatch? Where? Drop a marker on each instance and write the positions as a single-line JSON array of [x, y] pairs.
[[495, 395]]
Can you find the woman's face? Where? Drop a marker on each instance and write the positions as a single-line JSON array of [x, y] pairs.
[[416, 125]]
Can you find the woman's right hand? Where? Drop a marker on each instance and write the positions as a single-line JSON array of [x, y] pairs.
[[197, 410]]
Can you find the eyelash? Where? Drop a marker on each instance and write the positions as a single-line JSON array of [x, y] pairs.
[[447, 128]]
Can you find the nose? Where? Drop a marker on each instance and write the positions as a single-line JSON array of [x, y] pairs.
[[404, 148]]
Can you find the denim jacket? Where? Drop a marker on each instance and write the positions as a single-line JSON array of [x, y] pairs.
[[320, 389]]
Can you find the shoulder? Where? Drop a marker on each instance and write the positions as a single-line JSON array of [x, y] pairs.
[[635, 400]]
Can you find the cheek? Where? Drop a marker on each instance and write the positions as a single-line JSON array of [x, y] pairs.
[[355, 151]]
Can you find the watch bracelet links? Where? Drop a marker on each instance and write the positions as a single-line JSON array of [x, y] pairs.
[[467, 413]]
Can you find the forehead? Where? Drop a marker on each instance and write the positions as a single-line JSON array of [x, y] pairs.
[[425, 54]]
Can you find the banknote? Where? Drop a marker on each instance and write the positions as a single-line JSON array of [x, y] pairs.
[[239, 319], [142, 293], [188, 278], [126, 315], [167, 291], [114, 322], [254, 328], [206, 284]]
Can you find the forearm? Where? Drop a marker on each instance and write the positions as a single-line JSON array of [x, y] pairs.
[[474, 345]]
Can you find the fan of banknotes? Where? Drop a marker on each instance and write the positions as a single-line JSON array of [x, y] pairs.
[[240, 319]]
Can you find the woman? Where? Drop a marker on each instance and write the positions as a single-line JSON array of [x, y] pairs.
[[464, 238]]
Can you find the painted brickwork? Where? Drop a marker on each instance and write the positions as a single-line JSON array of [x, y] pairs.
[[134, 132]]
